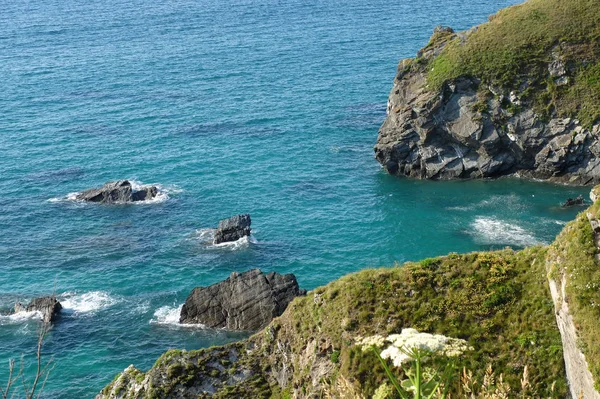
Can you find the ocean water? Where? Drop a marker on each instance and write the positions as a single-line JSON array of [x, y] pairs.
[[266, 107]]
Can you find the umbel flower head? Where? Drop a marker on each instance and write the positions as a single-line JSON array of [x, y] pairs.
[[411, 343]]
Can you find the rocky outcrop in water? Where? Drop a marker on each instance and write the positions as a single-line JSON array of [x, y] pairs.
[[233, 229], [467, 129], [48, 306], [573, 201], [244, 301], [120, 191]]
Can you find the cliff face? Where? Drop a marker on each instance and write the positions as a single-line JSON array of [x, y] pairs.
[[498, 301], [574, 279], [463, 108]]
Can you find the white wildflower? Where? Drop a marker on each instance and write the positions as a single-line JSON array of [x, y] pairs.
[[368, 342], [396, 355], [406, 345]]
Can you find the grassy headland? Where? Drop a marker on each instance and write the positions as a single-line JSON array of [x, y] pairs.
[[514, 49]]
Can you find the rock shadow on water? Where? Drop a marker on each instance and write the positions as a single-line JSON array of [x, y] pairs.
[[57, 175], [226, 129]]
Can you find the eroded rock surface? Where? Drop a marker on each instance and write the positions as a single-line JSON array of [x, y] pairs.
[[119, 191], [467, 130], [244, 301], [233, 229], [574, 201], [48, 306]]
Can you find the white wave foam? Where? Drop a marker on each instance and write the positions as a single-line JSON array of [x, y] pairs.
[[71, 197], [492, 231], [206, 237], [20, 317], [169, 316], [87, 302], [243, 242], [511, 201], [142, 307], [162, 194]]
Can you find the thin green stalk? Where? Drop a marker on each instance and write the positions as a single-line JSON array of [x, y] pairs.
[[418, 377], [391, 377]]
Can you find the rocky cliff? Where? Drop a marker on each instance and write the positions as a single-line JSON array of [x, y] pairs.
[[519, 95], [500, 302], [245, 301]]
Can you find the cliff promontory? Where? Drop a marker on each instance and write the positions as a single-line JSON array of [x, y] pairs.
[[518, 95], [506, 304]]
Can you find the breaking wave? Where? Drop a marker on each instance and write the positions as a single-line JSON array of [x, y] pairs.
[[167, 315], [20, 317], [490, 231], [88, 302], [206, 237]]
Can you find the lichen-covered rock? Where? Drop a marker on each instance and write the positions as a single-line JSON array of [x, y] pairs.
[[244, 301], [233, 229], [468, 130], [119, 191], [48, 306]]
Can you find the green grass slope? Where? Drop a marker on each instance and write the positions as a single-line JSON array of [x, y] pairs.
[[572, 257], [498, 301], [513, 51]]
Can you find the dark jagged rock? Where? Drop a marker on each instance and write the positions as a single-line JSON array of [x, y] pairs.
[[233, 229], [574, 201], [468, 129], [244, 301], [144, 194], [117, 192], [48, 306]]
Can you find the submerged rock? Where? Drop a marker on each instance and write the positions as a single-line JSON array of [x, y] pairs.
[[48, 306], [232, 229], [244, 301], [574, 201], [117, 192]]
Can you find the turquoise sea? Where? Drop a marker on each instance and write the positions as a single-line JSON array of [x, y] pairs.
[[269, 107]]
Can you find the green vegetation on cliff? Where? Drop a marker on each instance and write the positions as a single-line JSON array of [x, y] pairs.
[[516, 47], [498, 301], [573, 257]]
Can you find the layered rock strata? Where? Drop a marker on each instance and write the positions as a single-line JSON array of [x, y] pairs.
[[467, 129], [244, 301], [48, 306], [120, 191], [233, 229]]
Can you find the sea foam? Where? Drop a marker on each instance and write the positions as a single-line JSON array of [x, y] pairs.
[[491, 231], [20, 317], [206, 237], [88, 302], [167, 315]]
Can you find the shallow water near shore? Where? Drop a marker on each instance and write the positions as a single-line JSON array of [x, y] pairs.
[[268, 108]]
